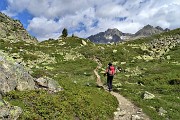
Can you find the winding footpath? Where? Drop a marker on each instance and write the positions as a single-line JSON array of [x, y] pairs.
[[126, 110]]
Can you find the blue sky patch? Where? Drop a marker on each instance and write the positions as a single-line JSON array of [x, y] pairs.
[[3, 4], [120, 18], [95, 23], [81, 27], [24, 17]]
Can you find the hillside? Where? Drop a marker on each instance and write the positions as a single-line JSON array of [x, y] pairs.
[[149, 77], [13, 30]]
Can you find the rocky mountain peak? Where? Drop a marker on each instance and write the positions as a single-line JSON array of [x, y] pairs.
[[149, 30], [148, 27], [114, 35], [159, 28], [110, 35], [167, 29], [113, 31]]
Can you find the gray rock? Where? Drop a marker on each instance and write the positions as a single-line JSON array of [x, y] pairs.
[[161, 111], [41, 82], [48, 84], [13, 76], [84, 42], [148, 95], [8, 112], [136, 117]]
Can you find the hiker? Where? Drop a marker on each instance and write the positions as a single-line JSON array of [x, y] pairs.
[[110, 72]]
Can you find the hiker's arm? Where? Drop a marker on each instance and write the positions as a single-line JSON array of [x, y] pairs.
[[106, 72]]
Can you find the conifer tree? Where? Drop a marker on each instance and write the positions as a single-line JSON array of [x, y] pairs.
[[64, 32]]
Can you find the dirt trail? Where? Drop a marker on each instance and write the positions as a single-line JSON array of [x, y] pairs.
[[126, 110]]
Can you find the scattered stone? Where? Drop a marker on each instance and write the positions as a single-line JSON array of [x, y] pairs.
[[118, 109], [147, 58], [122, 113], [115, 113], [148, 95], [75, 82], [48, 84], [136, 117], [114, 51], [88, 84], [123, 63], [161, 111], [84, 43], [139, 111], [168, 57]]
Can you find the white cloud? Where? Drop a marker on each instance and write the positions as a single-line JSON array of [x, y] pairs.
[[44, 28], [87, 17]]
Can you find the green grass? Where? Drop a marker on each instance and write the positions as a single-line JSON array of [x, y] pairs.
[[81, 99], [75, 101]]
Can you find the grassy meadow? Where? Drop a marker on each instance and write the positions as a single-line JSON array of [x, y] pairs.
[[71, 63]]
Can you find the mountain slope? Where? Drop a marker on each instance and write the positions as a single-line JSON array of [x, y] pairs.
[[13, 30], [149, 77], [111, 35], [145, 62], [149, 30], [114, 35]]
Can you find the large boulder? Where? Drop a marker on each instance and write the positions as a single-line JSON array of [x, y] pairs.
[[48, 84], [14, 76]]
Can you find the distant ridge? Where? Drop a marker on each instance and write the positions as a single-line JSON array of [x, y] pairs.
[[110, 35], [114, 35], [149, 30]]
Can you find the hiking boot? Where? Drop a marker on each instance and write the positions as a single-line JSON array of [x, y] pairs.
[[110, 90]]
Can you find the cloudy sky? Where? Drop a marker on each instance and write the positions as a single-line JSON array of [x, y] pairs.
[[45, 19]]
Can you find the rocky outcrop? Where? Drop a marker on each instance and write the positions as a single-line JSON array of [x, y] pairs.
[[13, 75], [157, 48], [48, 84], [13, 30], [9, 112]]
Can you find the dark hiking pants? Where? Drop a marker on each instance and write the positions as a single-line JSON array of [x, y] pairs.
[[109, 82]]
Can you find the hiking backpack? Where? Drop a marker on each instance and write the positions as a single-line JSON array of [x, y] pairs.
[[111, 70]]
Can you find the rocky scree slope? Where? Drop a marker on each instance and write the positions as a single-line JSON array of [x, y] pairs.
[[13, 30]]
